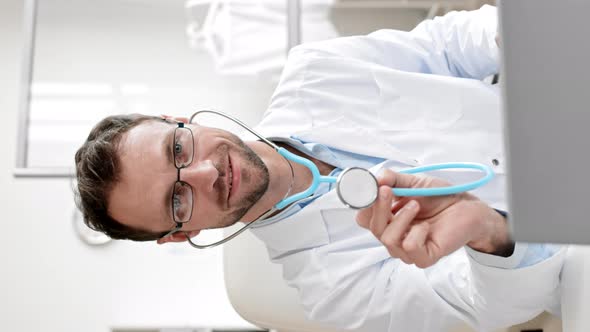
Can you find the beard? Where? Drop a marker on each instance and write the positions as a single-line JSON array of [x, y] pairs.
[[255, 179]]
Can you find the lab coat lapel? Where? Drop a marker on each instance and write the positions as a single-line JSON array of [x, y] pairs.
[[303, 230]]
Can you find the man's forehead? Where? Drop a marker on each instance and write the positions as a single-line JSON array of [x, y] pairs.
[[146, 129], [135, 198]]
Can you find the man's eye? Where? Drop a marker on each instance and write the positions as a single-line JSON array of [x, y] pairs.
[[177, 148], [177, 201], [180, 209]]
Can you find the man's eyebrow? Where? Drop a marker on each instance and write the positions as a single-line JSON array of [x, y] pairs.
[[167, 146]]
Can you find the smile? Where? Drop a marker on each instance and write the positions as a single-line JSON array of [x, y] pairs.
[[233, 175], [229, 178]]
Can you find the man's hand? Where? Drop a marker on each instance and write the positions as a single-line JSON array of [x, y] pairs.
[[421, 230]]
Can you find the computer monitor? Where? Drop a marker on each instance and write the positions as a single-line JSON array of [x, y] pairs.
[[545, 77]]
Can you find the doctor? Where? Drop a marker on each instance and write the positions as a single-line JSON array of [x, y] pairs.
[[388, 101], [412, 99]]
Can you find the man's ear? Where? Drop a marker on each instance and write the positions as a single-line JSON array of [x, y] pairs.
[[177, 237], [175, 118]]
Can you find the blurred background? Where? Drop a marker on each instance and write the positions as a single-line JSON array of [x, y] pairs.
[[66, 64]]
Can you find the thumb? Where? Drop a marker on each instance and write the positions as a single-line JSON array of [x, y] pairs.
[[396, 180]]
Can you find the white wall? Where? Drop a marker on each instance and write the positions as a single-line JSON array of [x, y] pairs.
[[96, 58], [51, 281]]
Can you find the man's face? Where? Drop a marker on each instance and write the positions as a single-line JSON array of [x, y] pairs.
[[142, 197]]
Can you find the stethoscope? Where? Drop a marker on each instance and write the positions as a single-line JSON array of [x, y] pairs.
[[356, 187]]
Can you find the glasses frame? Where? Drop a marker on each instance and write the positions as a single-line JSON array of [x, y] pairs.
[[178, 181]]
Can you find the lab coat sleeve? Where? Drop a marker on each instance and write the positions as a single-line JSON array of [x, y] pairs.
[[525, 254], [460, 44], [355, 287], [517, 293]]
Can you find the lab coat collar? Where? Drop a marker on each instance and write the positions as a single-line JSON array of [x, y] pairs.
[[355, 140]]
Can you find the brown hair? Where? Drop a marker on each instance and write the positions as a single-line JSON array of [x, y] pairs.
[[98, 170]]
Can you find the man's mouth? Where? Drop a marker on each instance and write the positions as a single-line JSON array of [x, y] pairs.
[[229, 174], [233, 178]]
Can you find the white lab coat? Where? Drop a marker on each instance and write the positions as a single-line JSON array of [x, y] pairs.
[[376, 95]]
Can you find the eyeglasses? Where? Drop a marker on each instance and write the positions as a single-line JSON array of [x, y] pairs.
[[182, 193]]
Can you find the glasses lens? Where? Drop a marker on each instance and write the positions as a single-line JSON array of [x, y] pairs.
[[182, 202], [183, 147]]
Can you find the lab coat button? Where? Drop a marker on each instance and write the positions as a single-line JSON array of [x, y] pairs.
[[495, 162]]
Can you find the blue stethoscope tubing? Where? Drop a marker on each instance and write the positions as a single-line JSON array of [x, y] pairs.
[[437, 191], [318, 178]]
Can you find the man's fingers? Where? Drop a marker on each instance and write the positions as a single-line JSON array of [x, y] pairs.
[[363, 217], [391, 179], [398, 204], [414, 244], [400, 223], [394, 233], [381, 211]]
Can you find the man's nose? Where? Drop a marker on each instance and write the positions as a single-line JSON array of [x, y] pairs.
[[200, 175]]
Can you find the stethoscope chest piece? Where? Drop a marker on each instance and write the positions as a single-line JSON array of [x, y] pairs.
[[357, 188]]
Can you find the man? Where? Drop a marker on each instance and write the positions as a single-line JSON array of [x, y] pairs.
[[389, 101]]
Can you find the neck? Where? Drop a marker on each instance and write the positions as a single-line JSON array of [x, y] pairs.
[[280, 176]]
